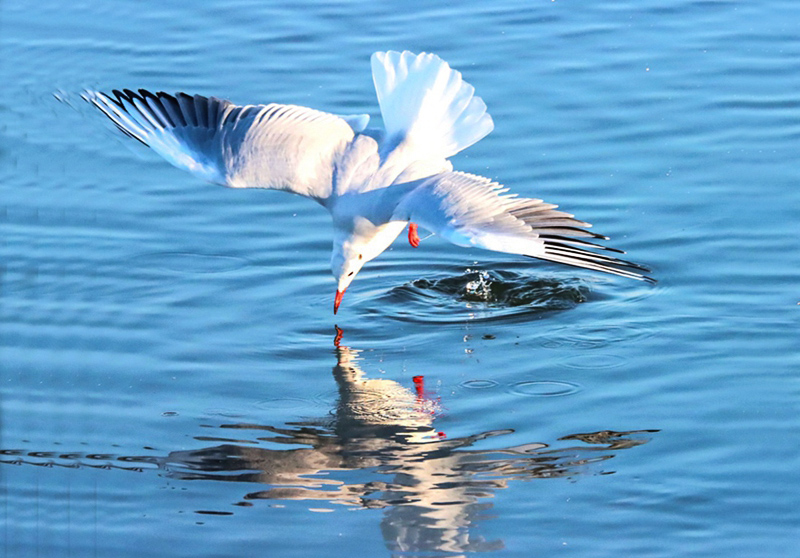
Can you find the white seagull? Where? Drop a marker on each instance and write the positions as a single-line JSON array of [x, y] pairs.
[[373, 182]]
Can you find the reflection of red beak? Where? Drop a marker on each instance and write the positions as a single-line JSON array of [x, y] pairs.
[[337, 301]]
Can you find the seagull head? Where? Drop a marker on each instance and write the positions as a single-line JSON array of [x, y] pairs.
[[355, 243], [346, 262]]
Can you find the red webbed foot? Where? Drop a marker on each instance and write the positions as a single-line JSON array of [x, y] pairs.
[[413, 236]]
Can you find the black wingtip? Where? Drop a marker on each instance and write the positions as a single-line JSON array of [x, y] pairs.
[[618, 267]]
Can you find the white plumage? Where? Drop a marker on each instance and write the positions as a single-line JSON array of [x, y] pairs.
[[423, 100], [372, 187]]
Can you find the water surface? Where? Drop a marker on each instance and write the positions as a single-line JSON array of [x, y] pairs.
[[172, 377]]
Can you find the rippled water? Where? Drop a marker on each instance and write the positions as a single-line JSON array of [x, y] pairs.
[[172, 377]]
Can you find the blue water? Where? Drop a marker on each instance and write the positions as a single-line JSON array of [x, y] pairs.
[[169, 382]]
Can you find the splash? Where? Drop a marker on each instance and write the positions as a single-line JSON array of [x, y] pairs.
[[480, 294], [507, 289]]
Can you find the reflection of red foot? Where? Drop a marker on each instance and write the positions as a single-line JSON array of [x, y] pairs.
[[426, 403], [338, 338], [422, 395], [419, 386], [413, 237]]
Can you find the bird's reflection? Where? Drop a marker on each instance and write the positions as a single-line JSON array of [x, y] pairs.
[[378, 449], [432, 487]]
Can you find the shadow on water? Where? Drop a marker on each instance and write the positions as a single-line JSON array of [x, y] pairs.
[[431, 488]]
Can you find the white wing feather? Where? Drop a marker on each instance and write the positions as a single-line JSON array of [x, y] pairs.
[[283, 147], [427, 103], [470, 210], [430, 113]]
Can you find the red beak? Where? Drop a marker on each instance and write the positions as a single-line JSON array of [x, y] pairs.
[[337, 301]]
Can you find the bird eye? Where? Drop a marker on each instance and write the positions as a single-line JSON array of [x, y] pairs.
[[361, 256], [349, 274]]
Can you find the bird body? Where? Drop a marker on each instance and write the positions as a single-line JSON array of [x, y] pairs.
[[373, 182]]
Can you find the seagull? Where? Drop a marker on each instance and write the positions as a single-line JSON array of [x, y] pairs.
[[373, 182]]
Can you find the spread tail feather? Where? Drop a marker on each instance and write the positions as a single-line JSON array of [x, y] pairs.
[[425, 102]]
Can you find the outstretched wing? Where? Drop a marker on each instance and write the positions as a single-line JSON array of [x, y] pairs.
[[430, 113], [470, 210], [283, 147], [427, 103]]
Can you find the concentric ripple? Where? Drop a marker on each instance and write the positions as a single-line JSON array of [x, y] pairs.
[[484, 295], [594, 336], [479, 384], [544, 388]]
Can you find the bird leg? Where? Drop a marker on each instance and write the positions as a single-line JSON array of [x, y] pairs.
[[413, 237]]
